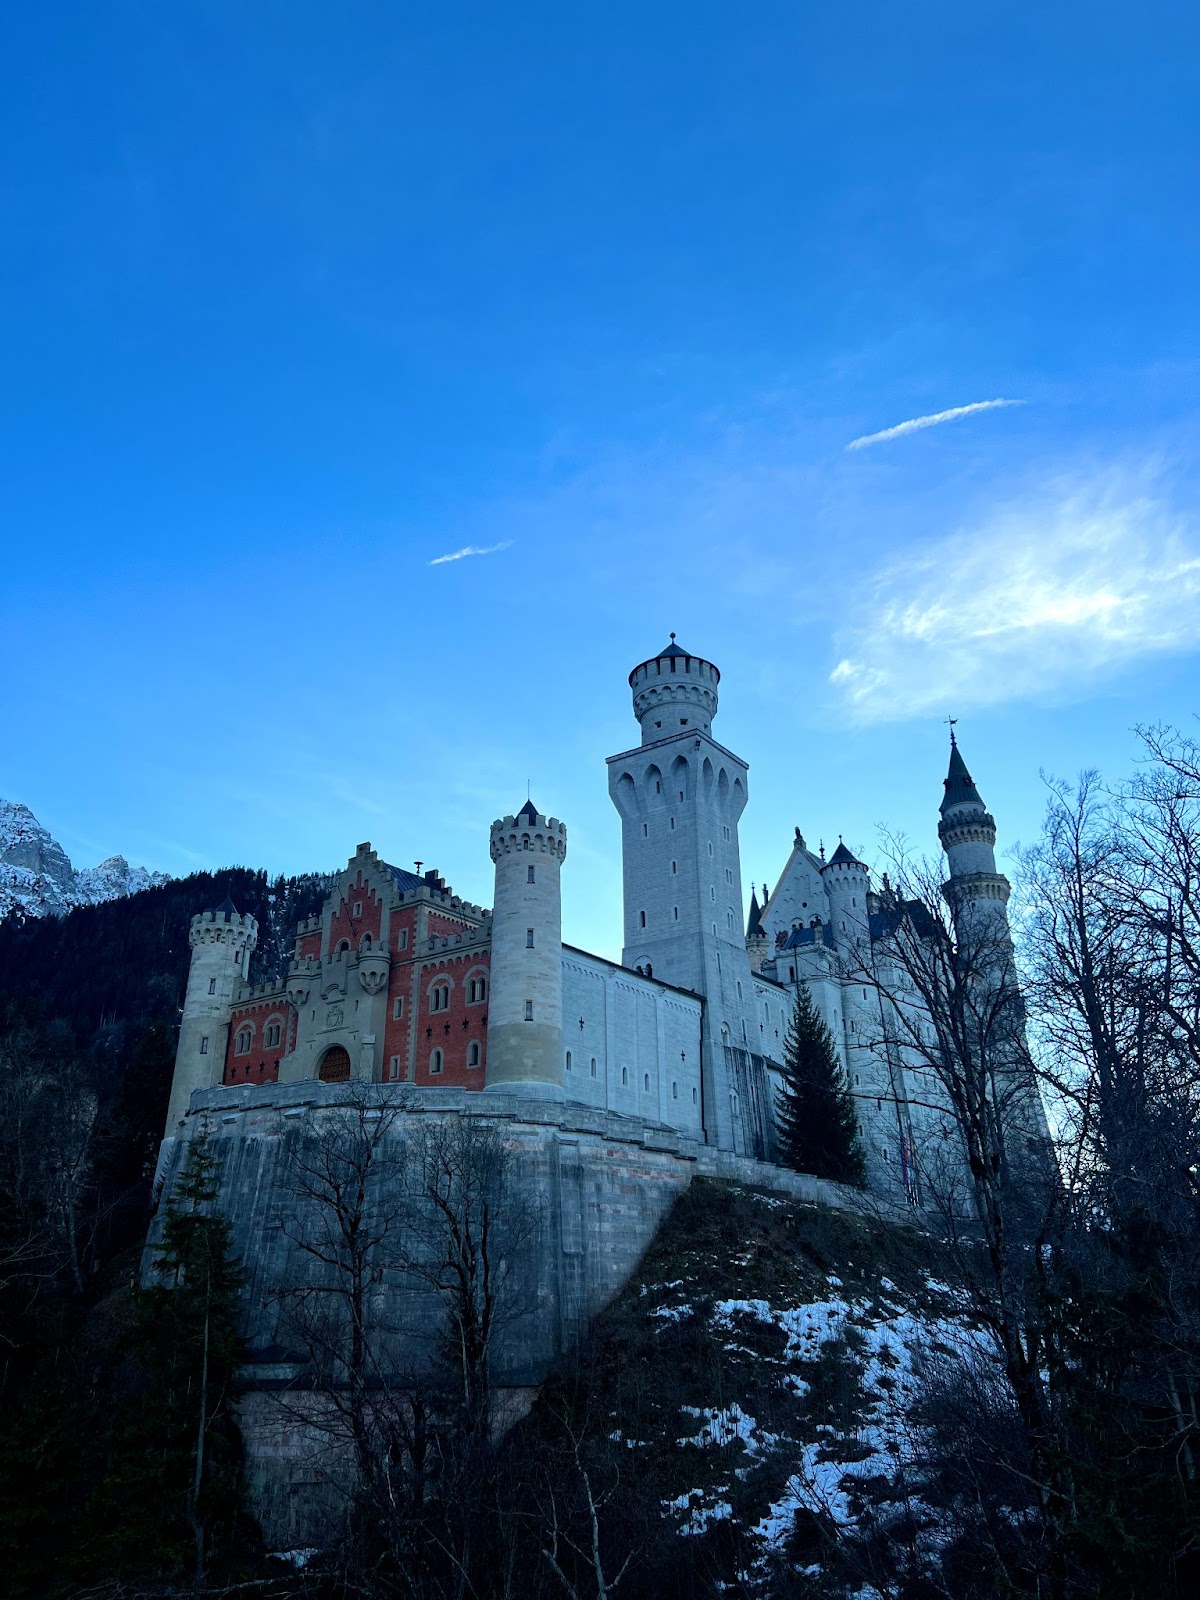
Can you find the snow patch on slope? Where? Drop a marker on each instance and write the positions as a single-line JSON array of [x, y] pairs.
[[38, 880]]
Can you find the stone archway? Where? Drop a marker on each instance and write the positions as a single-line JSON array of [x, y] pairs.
[[335, 1066]]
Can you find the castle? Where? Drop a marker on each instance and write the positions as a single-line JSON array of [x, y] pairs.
[[400, 981]]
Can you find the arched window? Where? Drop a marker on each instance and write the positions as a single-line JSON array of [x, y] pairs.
[[693, 1097], [476, 989], [674, 1090], [343, 947], [568, 1061], [646, 1082], [245, 1035], [436, 1062], [624, 1077], [474, 1053], [365, 942], [272, 1034], [439, 996], [641, 919], [592, 1068]]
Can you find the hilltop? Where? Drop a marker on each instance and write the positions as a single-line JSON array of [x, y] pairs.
[[37, 878]]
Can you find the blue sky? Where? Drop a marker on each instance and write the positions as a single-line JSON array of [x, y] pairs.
[[295, 299]]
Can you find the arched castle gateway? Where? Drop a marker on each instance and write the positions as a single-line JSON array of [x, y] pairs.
[[400, 981]]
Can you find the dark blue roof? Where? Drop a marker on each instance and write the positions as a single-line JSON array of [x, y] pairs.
[[673, 649], [529, 811], [959, 784], [821, 934], [841, 855], [403, 880], [226, 909]]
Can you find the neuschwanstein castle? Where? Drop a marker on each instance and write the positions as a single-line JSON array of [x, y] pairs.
[[399, 981]]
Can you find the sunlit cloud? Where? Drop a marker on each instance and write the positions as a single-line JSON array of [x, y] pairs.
[[933, 420], [1050, 593], [471, 550]]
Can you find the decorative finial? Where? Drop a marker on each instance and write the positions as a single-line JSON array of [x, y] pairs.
[[953, 741], [672, 638], [822, 848], [418, 865]]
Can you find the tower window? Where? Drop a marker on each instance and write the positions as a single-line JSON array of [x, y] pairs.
[[398, 1007], [204, 1045], [624, 1077], [592, 1067], [710, 848], [530, 878], [857, 1080], [674, 1090], [212, 986], [672, 824], [646, 1082], [529, 938], [529, 1011], [725, 834], [657, 781], [676, 911], [436, 1062], [674, 868], [693, 1097], [393, 1071], [474, 1054], [641, 919], [645, 830], [712, 893], [567, 1061]]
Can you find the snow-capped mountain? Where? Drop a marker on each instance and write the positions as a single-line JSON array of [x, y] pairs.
[[38, 880]]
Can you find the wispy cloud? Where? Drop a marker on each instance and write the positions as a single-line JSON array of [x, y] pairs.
[[1070, 583], [471, 550], [915, 424]]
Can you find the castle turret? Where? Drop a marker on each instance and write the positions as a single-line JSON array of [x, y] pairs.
[[680, 795], [976, 892], [847, 883], [525, 1033], [221, 942], [757, 943]]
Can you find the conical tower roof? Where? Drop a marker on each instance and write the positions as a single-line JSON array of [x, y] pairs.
[[959, 784], [754, 921]]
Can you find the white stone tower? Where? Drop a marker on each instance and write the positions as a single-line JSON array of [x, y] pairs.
[[976, 893], [680, 796], [221, 942], [847, 883], [525, 1032]]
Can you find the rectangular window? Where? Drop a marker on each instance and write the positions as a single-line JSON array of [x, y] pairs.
[[358, 908], [212, 986], [529, 938], [402, 939], [530, 878], [398, 1007], [529, 1011], [204, 1045], [394, 1069]]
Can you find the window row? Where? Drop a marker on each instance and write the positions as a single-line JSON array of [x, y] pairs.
[[439, 992], [244, 1038]]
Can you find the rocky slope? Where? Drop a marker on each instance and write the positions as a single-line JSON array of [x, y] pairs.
[[38, 880], [760, 1410]]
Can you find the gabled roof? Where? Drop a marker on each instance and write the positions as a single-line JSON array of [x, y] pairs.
[[959, 784], [403, 880]]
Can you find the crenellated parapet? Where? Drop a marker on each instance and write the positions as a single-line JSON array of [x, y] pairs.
[[529, 831], [967, 827]]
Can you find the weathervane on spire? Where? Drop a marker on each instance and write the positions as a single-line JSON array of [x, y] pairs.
[[953, 721]]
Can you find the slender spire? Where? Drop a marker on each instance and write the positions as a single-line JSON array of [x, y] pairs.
[[754, 921], [959, 784]]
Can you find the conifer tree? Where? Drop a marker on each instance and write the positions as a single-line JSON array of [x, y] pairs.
[[816, 1122], [171, 1500]]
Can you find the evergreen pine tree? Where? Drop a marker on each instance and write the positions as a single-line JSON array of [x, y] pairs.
[[170, 1503], [816, 1121]]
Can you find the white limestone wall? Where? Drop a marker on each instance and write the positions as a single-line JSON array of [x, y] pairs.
[[525, 1021], [638, 1051], [220, 961]]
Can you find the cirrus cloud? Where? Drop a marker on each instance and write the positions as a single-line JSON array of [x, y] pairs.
[[1066, 585], [471, 550], [933, 420]]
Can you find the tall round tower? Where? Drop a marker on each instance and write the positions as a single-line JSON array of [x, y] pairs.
[[976, 892], [847, 882], [525, 1032], [221, 942], [674, 692]]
